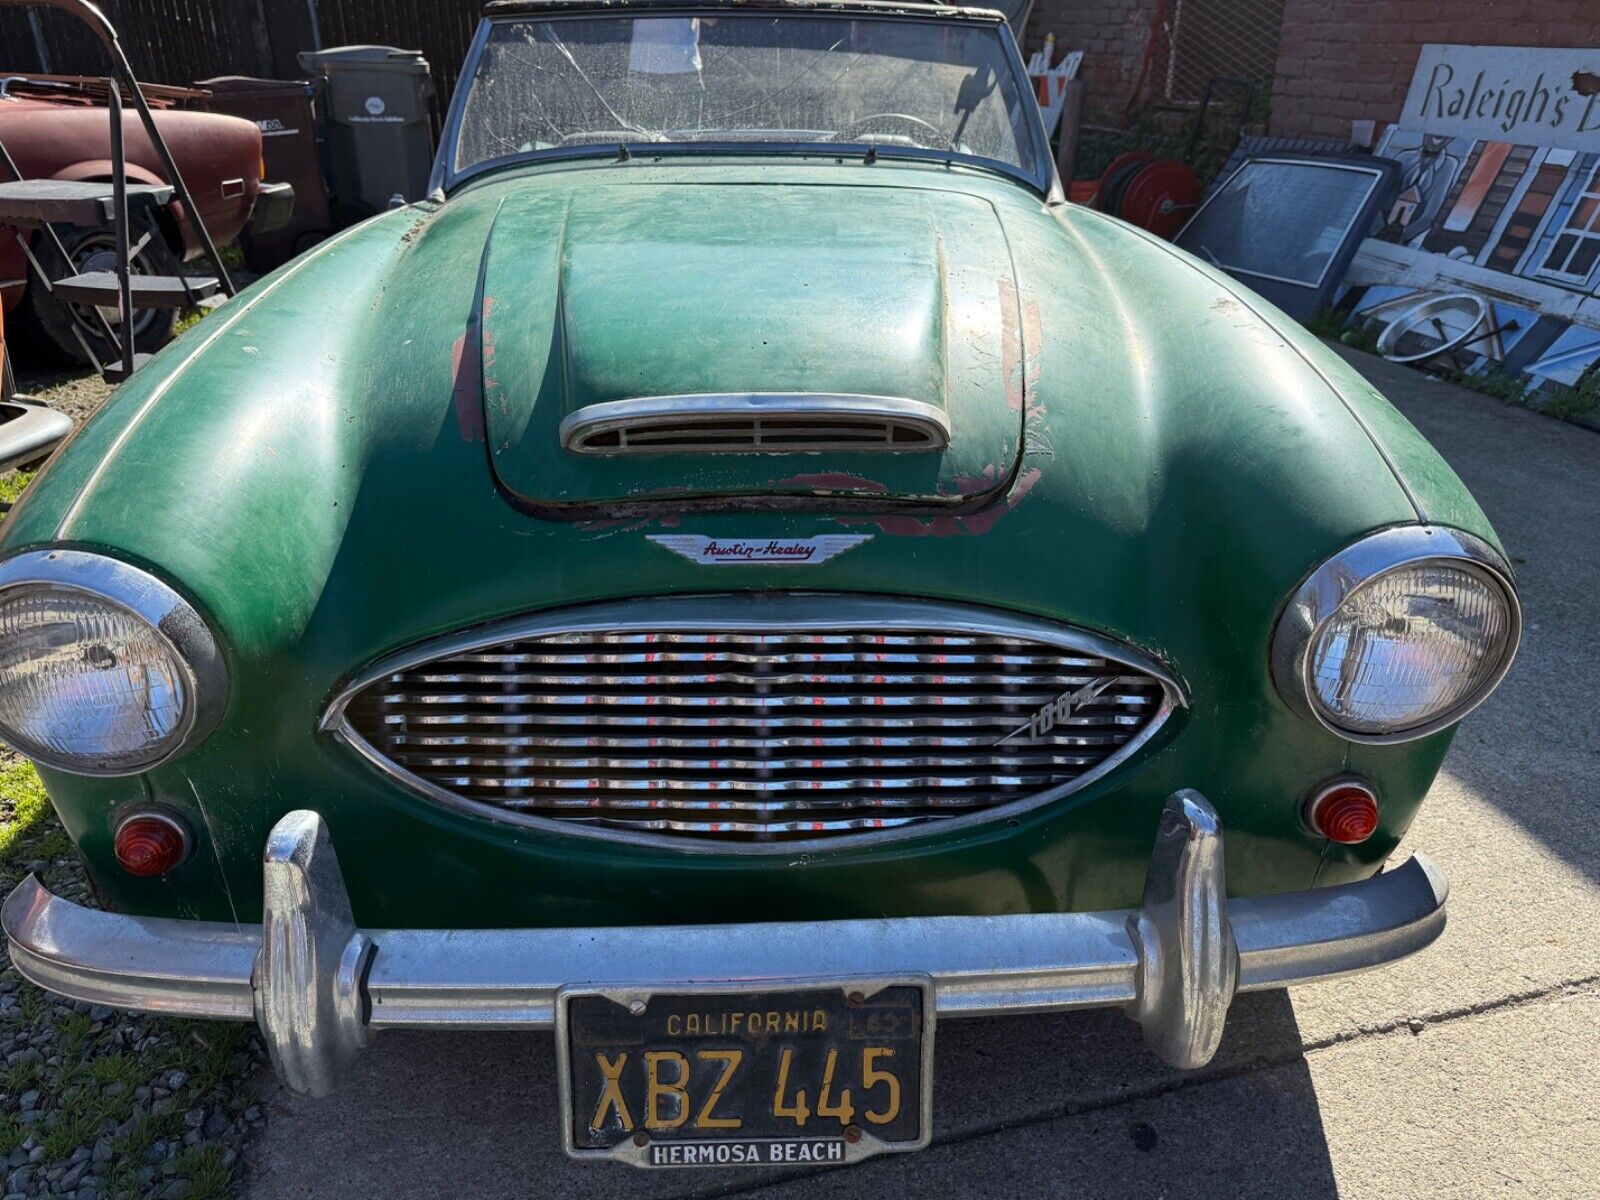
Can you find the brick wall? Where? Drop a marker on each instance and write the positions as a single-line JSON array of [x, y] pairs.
[[1343, 60], [1112, 35]]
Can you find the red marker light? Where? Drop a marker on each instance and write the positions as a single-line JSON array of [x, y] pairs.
[[150, 843], [1344, 812]]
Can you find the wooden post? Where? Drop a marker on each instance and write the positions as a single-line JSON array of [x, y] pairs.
[[1071, 126]]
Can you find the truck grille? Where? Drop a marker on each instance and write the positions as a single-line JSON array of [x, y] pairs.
[[743, 730]]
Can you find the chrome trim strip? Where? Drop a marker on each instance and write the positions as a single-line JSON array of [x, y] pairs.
[[757, 612], [644, 413], [1315, 600], [169, 614], [149, 964], [1169, 962]]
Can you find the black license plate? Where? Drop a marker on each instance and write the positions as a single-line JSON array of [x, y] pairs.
[[727, 1077]]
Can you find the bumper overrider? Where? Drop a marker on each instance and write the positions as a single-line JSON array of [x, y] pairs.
[[319, 986]]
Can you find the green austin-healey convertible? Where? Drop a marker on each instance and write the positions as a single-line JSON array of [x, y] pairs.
[[740, 573]]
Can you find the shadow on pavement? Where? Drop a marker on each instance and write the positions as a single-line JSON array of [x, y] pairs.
[[1538, 480], [1068, 1104]]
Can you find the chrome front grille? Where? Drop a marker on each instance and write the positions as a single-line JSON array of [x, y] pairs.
[[756, 721]]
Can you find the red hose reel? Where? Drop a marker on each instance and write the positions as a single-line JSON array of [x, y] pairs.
[[1158, 194]]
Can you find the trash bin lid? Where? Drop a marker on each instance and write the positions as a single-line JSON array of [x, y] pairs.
[[237, 84], [365, 57]]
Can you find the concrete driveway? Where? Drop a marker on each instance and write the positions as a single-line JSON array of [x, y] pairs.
[[1467, 1071]]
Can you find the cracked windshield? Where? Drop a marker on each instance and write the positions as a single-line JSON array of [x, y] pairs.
[[758, 78]]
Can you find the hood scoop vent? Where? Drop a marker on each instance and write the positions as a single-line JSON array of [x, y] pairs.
[[713, 343], [755, 423]]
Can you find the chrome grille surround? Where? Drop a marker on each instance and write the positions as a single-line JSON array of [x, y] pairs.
[[755, 722], [755, 423]]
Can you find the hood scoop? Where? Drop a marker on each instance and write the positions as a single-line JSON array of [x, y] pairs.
[[744, 423], [656, 342]]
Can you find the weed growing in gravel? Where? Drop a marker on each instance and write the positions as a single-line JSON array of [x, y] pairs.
[[13, 483], [22, 804], [96, 1103]]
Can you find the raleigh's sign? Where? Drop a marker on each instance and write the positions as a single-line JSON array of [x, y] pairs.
[[1508, 94]]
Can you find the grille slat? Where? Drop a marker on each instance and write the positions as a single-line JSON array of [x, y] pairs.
[[748, 736], [703, 678], [555, 744], [998, 722], [756, 703]]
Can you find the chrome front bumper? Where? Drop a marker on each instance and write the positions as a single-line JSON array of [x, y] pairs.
[[319, 987]]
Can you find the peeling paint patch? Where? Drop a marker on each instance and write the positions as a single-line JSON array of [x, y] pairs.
[[953, 526], [465, 370], [416, 227], [614, 524], [1011, 351], [833, 481], [610, 525]]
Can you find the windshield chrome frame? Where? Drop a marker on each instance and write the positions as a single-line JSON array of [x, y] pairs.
[[445, 178]]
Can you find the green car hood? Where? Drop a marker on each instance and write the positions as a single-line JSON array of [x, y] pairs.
[[613, 292], [309, 466]]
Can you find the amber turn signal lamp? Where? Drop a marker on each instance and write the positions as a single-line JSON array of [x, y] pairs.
[[150, 843], [1344, 812]]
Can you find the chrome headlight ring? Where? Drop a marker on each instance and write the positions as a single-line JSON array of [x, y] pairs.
[[171, 620], [1361, 565]]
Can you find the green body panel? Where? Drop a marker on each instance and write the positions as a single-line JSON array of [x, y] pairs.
[[617, 291], [309, 466]]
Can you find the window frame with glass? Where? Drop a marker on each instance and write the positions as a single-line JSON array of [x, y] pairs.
[[446, 177]]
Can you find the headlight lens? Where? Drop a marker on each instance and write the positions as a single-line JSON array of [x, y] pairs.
[[1399, 635], [104, 670], [1408, 647], [84, 681]]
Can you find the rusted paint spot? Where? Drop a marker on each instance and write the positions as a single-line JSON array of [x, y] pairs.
[[972, 485], [1586, 83], [613, 524], [953, 526], [833, 481], [1021, 336], [465, 370], [1033, 364], [1011, 351], [628, 524], [416, 227], [491, 385]]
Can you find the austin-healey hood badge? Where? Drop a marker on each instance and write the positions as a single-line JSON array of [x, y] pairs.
[[721, 552]]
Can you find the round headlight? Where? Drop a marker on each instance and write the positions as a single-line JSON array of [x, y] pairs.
[[1399, 635], [104, 670]]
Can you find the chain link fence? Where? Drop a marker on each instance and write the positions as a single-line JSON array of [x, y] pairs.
[[1211, 39]]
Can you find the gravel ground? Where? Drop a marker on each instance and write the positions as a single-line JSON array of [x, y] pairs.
[[97, 1103], [72, 391], [93, 1102]]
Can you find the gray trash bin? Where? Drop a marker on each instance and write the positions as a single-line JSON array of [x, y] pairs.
[[378, 110]]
